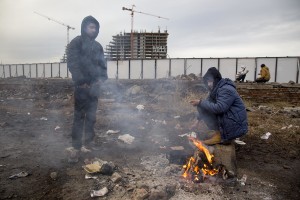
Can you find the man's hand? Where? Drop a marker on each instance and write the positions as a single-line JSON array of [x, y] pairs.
[[195, 102]]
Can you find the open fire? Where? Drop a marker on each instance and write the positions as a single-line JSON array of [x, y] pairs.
[[200, 165]]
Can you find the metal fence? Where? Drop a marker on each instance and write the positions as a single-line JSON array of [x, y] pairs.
[[282, 69]]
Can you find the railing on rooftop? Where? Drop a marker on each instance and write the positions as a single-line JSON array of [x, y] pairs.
[[282, 69]]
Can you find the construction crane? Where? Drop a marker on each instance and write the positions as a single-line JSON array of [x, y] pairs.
[[132, 14], [68, 29]]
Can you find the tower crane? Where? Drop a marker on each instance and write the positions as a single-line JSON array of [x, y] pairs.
[[61, 23], [132, 14]]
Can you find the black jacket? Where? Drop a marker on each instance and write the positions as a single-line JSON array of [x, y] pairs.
[[85, 56]]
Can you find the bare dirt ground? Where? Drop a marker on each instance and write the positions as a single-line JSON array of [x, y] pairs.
[[35, 126]]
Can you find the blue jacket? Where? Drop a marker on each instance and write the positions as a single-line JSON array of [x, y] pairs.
[[225, 102]]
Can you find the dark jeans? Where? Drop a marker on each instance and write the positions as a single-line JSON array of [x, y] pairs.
[[85, 108], [241, 78]]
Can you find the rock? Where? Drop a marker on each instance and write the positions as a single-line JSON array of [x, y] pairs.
[[115, 177], [53, 175], [134, 90], [158, 193], [291, 82], [140, 194], [225, 155]]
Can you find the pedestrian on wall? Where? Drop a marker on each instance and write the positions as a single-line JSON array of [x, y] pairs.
[[241, 75], [85, 60], [264, 74], [223, 111]]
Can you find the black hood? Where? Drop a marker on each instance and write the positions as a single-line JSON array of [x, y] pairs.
[[86, 21], [212, 74]]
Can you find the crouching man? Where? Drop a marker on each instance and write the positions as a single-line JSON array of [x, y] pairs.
[[88, 68], [223, 111]]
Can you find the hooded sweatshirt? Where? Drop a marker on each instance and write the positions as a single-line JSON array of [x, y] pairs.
[[226, 104], [85, 56]]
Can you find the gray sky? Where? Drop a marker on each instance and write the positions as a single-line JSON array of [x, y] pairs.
[[197, 28]]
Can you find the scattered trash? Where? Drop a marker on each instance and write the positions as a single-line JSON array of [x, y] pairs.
[[266, 136], [99, 193], [53, 175], [112, 131], [178, 127], [290, 126], [176, 117], [128, 139], [43, 118], [243, 180], [93, 168], [140, 107], [115, 177], [83, 149], [286, 167], [190, 134], [162, 147], [283, 128], [238, 141], [177, 148], [28, 113], [98, 165], [56, 128], [19, 175], [160, 121], [88, 176], [3, 124]]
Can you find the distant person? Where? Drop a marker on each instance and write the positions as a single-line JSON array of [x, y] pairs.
[[223, 111], [85, 60], [264, 74], [241, 75]]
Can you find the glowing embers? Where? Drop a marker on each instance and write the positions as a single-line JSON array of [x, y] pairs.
[[200, 165]]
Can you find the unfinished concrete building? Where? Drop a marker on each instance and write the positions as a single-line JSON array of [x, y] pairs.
[[145, 45]]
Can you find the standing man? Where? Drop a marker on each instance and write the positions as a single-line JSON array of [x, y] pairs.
[[223, 111], [88, 68], [264, 74]]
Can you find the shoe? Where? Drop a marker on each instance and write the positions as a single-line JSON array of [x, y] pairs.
[[215, 139], [73, 154]]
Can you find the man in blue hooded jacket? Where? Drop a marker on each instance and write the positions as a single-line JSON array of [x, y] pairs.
[[223, 111], [88, 68]]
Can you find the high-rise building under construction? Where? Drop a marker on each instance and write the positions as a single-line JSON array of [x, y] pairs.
[[145, 45]]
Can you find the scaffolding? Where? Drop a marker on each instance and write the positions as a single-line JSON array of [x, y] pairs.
[[146, 45]]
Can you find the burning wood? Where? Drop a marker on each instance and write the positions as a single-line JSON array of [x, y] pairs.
[[200, 165]]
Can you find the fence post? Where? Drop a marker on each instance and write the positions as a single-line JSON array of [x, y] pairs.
[[184, 66], [117, 70], [255, 70], [67, 72], [236, 65], [219, 64], [59, 69], [16, 74], [36, 71], [3, 74], [142, 69], [170, 67], [276, 63], [155, 68], [9, 70], [44, 72], [201, 69], [298, 65], [23, 69], [30, 70], [51, 70], [129, 63]]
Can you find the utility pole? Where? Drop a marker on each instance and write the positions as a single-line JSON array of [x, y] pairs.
[[132, 14]]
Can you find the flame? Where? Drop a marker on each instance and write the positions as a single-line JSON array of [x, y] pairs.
[[192, 165]]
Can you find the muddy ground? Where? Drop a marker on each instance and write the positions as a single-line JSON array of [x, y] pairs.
[[35, 127]]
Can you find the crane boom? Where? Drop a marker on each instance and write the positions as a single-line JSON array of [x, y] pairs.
[[132, 14], [61, 23]]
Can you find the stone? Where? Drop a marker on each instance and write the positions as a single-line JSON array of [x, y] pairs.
[[140, 194], [225, 155], [158, 193], [53, 175], [115, 177], [134, 90]]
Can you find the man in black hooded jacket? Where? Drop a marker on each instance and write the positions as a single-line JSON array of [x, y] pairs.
[[223, 111], [88, 68]]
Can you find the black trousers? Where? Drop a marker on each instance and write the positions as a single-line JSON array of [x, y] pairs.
[[241, 78], [85, 108], [261, 80]]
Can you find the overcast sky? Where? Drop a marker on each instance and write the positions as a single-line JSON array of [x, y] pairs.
[[197, 28]]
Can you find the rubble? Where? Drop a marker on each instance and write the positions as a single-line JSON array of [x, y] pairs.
[[140, 194], [126, 138], [19, 175], [266, 136], [99, 193], [53, 175], [115, 177]]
